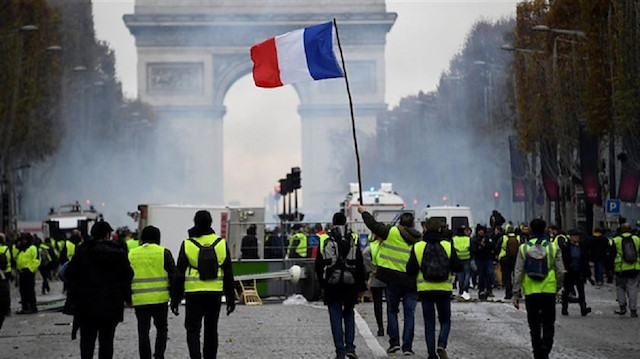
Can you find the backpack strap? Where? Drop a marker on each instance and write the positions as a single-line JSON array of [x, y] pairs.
[[200, 246]]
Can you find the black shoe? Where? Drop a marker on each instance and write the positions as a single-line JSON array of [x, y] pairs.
[[393, 349], [634, 314], [408, 352], [442, 353], [585, 311], [352, 355], [381, 332], [565, 312], [621, 311]]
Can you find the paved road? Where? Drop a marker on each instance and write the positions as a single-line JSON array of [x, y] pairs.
[[480, 330]]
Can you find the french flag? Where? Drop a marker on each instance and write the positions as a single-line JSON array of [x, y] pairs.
[[300, 55]]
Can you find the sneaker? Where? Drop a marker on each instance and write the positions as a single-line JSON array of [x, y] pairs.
[[393, 349], [621, 311], [586, 311], [352, 355], [634, 314], [466, 296], [408, 352], [442, 353]]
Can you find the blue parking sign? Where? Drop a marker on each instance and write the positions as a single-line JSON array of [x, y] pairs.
[[613, 206]]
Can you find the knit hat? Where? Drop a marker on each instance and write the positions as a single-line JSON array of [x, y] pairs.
[[150, 234], [202, 219]]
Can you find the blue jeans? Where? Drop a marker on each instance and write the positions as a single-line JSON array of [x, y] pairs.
[[409, 298], [441, 302], [337, 314], [485, 275], [464, 276], [598, 268]]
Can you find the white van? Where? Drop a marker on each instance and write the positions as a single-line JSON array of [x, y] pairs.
[[452, 216]]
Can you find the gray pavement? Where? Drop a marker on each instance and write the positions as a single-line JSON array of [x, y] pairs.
[[479, 330]]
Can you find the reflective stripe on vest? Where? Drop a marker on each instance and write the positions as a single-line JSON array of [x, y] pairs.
[[192, 276], [150, 284], [394, 252], [462, 245], [619, 264], [424, 285], [549, 284]]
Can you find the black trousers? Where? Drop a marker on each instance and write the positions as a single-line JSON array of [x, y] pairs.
[[28, 289], [507, 266], [541, 315], [46, 275], [105, 332], [202, 305], [376, 293], [5, 299], [144, 313], [571, 280]]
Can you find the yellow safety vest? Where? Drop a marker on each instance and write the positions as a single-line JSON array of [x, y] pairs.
[[375, 251], [559, 236], [6, 251], [150, 284], [619, 264], [301, 249], [28, 259], [323, 238], [394, 252], [131, 244], [549, 284], [462, 245], [71, 249], [423, 284], [193, 283]]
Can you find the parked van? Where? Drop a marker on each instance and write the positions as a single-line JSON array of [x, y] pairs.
[[452, 216]]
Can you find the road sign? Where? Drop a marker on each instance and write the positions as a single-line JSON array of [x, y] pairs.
[[613, 206]]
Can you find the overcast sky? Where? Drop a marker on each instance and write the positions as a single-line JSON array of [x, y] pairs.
[[419, 46]]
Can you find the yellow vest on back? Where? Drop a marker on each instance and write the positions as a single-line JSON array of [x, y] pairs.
[[547, 285], [424, 285], [150, 284], [462, 245], [619, 264], [193, 283], [394, 252]]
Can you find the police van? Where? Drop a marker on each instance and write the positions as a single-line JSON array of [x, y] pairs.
[[451, 216]]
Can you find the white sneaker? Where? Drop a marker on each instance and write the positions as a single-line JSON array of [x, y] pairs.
[[466, 296]]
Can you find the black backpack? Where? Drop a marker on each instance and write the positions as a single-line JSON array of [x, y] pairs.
[[341, 268], [207, 260], [435, 263], [629, 251]]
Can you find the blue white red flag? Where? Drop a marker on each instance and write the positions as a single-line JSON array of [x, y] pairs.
[[301, 55]]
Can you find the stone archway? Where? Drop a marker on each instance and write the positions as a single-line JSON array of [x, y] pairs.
[[189, 55]]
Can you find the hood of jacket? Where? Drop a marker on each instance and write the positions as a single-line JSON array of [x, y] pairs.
[[409, 234]]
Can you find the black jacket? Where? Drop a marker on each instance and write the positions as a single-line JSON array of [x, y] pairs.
[[584, 271], [601, 250], [99, 277], [483, 248], [410, 236], [249, 247]]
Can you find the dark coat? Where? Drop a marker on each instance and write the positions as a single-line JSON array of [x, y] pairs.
[[99, 277], [584, 272], [483, 248], [249, 247], [601, 250]]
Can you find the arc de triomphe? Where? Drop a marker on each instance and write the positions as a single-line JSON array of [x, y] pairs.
[[191, 52]]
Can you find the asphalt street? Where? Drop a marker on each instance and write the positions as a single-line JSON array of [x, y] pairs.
[[274, 330]]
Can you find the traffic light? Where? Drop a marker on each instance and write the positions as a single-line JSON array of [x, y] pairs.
[[295, 177], [289, 183], [284, 189]]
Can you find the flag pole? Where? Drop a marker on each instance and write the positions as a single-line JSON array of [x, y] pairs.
[[353, 121]]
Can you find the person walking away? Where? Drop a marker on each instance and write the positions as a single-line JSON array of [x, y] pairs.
[[599, 254], [462, 246], [507, 257], [274, 245], [204, 275], [27, 264], [47, 260], [297, 243], [431, 262], [627, 269], [483, 248], [154, 275], [99, 277], [394, 252], [539, 274], [377, 287], [575, 257], [249, 244], [340, 271], [498, 235]]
